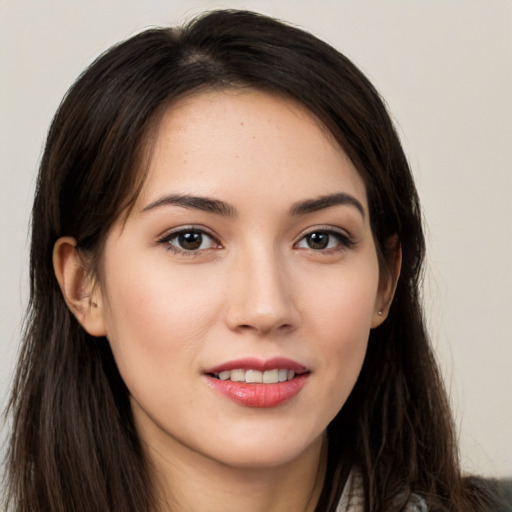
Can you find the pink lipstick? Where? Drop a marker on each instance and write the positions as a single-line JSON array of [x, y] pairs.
[[256, 383]]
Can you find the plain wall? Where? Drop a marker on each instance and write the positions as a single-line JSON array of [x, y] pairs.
[[445, 70]]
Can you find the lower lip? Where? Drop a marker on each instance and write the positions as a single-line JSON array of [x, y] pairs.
[[259, 395]]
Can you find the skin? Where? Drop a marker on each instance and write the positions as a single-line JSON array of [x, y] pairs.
[[255, 287]]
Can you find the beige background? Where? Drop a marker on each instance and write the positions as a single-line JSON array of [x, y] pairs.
[[445, 69]]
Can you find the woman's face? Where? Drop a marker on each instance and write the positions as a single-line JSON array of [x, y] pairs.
[[248, 257]]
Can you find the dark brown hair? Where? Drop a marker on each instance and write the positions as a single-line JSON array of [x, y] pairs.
[[74, 445]]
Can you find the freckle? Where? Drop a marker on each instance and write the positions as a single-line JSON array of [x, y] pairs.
[[241, 123]]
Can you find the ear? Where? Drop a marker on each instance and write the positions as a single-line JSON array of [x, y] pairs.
[[388, 281], [82, 297]]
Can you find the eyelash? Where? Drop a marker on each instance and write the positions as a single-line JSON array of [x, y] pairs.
[[166, 241], [343, 241]]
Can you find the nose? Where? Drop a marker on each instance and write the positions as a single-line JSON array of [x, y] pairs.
[[261, 296]]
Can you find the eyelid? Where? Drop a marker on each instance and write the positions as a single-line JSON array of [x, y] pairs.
[[187, 227], [168, 235], [345, 239], [326, 228]]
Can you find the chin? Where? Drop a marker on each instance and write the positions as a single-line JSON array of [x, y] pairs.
[[266, 452]]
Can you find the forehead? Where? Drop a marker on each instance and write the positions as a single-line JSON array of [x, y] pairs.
[[246, 142]]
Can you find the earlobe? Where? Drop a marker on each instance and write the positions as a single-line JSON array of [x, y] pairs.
[[81, 296], [388, 284]]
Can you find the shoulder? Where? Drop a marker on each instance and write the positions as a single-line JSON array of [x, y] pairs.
[[352, 499], [416, 504]]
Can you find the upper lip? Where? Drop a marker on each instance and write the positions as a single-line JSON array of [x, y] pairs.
[[252, 363]]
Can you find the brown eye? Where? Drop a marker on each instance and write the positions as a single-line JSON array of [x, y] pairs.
[[189, 241], [317, 241], [325, 240]]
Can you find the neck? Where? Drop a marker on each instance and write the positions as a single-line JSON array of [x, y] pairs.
[[193, 482]]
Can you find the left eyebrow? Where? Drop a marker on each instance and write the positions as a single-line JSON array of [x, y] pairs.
[[205, 204], [313, 205]]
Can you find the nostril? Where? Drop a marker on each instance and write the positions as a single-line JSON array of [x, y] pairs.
[[251, 313], [265, 328]]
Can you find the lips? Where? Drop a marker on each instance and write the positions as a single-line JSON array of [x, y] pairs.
[[256, 383]]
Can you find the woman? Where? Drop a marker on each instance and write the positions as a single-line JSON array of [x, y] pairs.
[[225, 267]]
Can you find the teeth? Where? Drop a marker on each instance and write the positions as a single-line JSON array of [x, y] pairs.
[[238, 375], [253, 376], [256, 376], [271, 376]]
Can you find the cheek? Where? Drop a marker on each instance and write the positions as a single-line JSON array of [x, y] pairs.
[[155, 320], [344, 301], [341, 316], [159, 297], [344, 347]]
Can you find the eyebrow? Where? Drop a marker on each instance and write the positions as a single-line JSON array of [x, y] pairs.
[[205, 204], [219, 207], [313, 205]]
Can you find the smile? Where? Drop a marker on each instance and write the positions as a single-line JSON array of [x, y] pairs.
[[256, 376], [252, 382]]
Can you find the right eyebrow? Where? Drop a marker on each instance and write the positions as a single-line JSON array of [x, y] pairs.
[[319, 203], [206, 204]]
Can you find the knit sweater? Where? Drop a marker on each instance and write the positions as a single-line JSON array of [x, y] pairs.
[[352, 499]]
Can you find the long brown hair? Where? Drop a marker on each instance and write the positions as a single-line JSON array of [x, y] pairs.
[[73, 444]]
